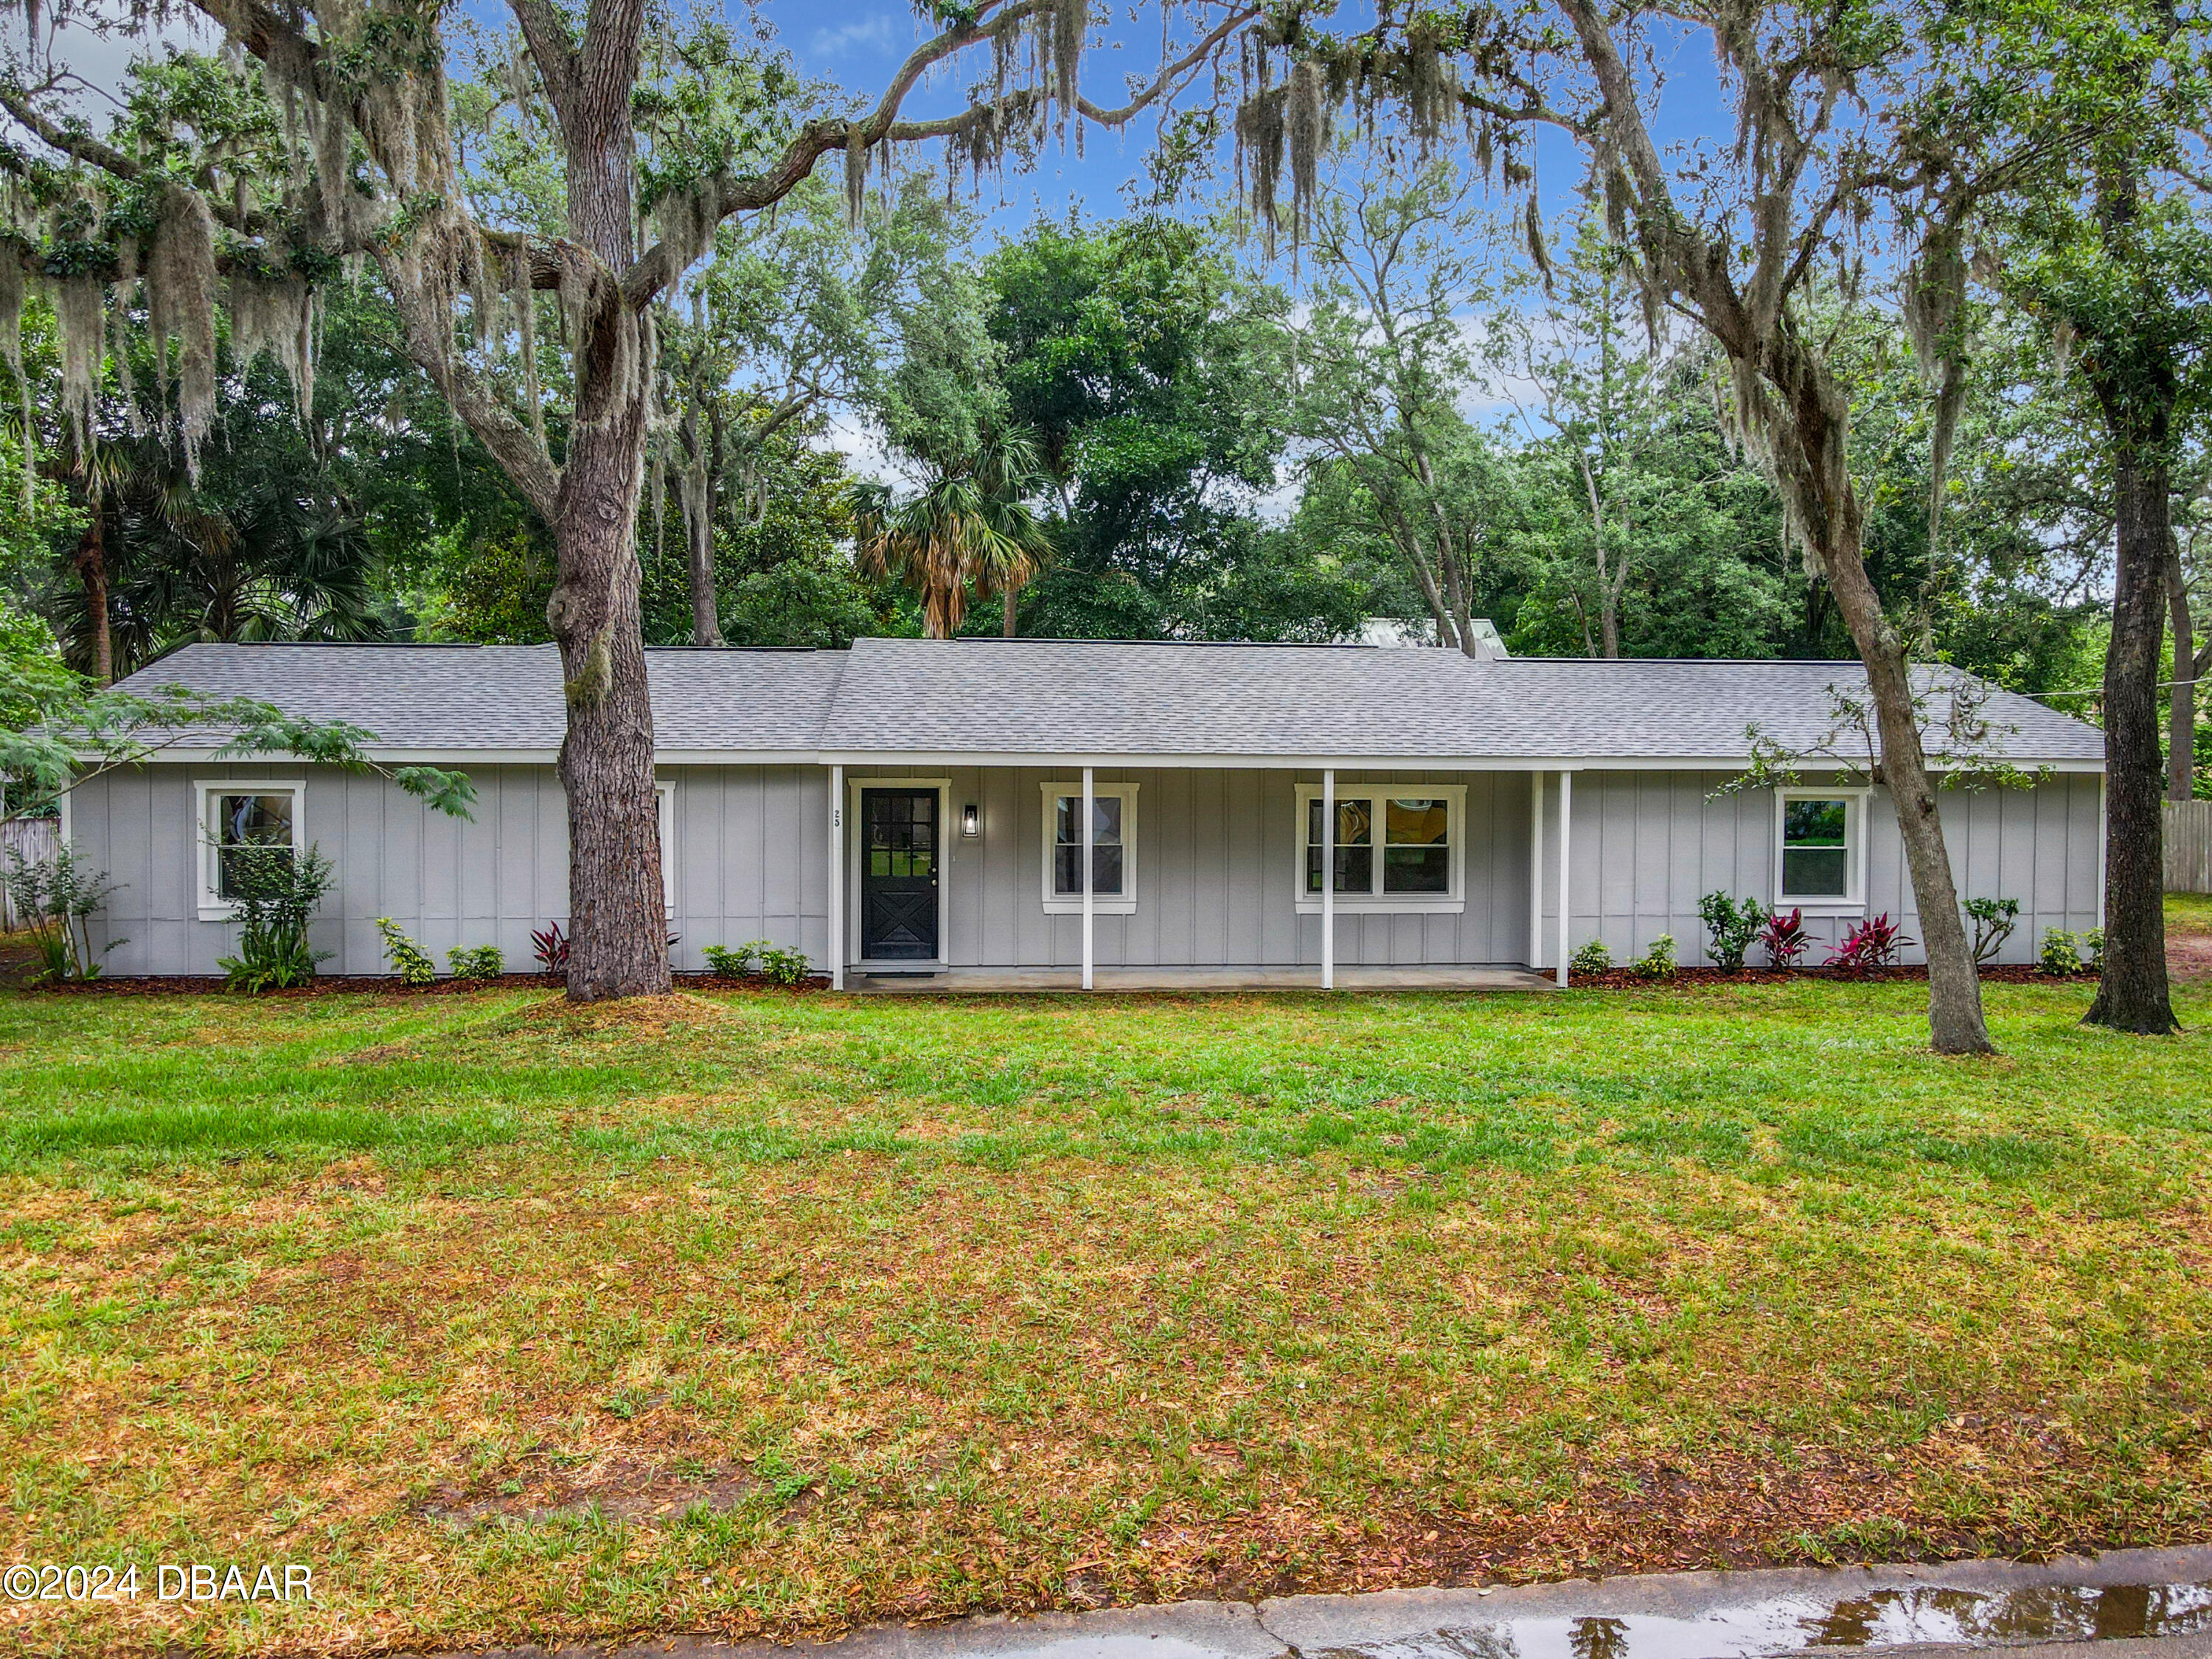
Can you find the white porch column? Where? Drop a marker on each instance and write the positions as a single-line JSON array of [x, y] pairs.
[[1089, 805], [1566, 823], [1328, 878], [1535, 870], [837, 878]]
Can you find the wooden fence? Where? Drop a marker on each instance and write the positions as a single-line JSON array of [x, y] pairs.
[[2189, 847], [35, 839]]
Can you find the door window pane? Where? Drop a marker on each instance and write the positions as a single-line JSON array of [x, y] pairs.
[[1816, 848], [248, 821], [1416, 852], [1105, 846]]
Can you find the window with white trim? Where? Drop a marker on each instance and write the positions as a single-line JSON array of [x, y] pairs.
[[1113, 847], [1820, 846], [1397, 846], [237, 815]]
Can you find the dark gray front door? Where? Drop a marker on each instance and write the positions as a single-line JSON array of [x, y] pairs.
[[899, 849]]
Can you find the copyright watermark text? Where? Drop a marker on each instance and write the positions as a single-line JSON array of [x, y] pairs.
[[168, 1581]]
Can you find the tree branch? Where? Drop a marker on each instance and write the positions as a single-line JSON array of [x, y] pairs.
[[728, 193]]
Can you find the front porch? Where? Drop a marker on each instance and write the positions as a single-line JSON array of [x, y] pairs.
[[1046, 877], [961, 982]]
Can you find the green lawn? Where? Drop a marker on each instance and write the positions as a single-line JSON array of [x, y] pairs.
[[761, 1312]]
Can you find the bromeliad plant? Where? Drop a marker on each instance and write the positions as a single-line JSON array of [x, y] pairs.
[[276, 891], [1870, 948], [1784, 940], [57, 897], [1731, 925]]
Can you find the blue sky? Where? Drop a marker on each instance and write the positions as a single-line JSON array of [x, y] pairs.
[[861, 44]]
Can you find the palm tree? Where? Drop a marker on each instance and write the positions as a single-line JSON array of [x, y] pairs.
[[258, 557], [969, 525]]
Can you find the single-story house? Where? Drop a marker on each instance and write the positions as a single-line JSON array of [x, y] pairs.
[[912, 807]]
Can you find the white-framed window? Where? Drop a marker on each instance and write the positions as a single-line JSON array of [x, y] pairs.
[[241, 813], [664, 795], [1113, 848], [1399, 847], [1819, 848]]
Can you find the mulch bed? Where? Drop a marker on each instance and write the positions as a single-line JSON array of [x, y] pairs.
[[1625, 979], [329, 985]]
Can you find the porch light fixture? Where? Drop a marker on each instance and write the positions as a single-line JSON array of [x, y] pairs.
[[968, 825]]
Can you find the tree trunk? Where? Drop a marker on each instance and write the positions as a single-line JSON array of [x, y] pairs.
[[1813, 469], [618, 922], [92, 571], [1011, 597], [2181, 708], [705, 599], [618, 932], [2132, 995]]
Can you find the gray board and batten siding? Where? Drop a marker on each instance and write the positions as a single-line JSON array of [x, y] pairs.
[[748, 740]]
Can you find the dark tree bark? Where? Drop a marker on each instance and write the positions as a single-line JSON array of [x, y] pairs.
[[91, 560], [2132, 994], [2181, 702], [617, 921], [2135, 383]]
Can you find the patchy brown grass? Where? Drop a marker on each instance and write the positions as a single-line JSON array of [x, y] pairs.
[[765, 1315]]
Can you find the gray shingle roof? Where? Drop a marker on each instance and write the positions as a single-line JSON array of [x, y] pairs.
[[1119, 698], [1097, 698], [508, 696]]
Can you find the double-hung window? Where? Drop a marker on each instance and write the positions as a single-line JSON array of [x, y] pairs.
[[239, 821], [1397, 846], [1820, 847], [1113, 847]]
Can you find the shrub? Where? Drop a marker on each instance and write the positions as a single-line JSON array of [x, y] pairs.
[[55, 896], [1784, 940], [408, 960], [1995, 920], [1871, 947], [1732, 926], [2061, 953], [1658, 962], [276, 891], [733, 964], [550, 946], [476, 962], [784, 967], [2092, 941], [1592, 958]]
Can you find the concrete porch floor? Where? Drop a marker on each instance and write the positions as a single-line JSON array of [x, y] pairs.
[[960, 981]]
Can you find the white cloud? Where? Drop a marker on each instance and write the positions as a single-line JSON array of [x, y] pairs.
[[878, 31], [863, 448]]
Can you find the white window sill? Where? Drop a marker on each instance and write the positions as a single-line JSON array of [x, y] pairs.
[[1830, 906], [1099, 907], [1408, 904], [218, 912]]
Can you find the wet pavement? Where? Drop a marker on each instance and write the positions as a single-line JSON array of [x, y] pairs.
[[2130, 1604]]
